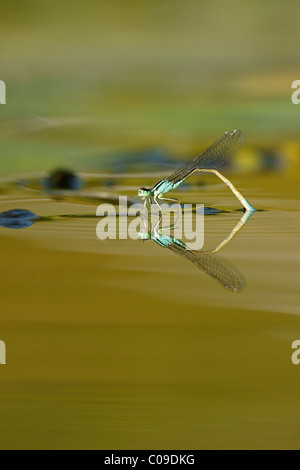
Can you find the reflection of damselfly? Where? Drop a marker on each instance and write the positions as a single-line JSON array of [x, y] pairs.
[[217, 154], [218, 268]]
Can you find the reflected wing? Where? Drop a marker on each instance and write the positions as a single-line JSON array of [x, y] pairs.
[[221, 270], [218, 268]]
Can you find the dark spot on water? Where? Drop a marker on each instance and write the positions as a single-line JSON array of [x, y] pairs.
[[62, 179], [212, 211], [17, 218]]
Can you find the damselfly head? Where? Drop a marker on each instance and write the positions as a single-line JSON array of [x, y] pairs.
[[144, 192], [144, 236]]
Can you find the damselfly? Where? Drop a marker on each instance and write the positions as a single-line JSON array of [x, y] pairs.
[[208, 162]]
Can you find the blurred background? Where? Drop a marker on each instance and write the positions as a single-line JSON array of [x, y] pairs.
[[121, 344], [85, 82]]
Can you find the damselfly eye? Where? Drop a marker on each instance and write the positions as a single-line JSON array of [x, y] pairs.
[[144, 192]]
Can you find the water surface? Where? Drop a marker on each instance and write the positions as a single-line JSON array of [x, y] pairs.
[[124, 344]]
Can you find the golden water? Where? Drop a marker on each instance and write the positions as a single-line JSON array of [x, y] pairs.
[[122, 344]]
